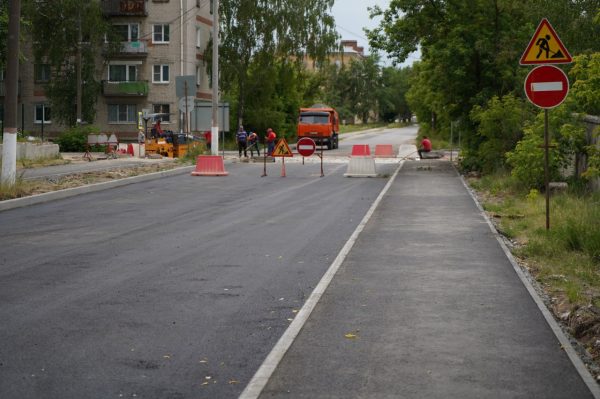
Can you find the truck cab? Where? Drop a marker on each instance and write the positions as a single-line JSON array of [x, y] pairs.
[[321, 123]]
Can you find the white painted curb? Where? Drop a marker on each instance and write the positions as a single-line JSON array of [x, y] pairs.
[[264, 373]]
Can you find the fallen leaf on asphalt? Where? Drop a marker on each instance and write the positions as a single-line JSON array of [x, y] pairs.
[[208, 377], [203, 361], [166, 356], [295, 310], [351, 336], [204, 383], [290, 319], [231, 382]]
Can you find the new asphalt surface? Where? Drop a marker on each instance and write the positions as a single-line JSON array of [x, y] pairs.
[[428, 305]]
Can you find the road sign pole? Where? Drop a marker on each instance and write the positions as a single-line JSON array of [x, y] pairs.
[[547, 168], [322, 174]]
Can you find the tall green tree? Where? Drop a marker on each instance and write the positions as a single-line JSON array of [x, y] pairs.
[[55, 27], [392, 95], [364, 86], [3, 31], [255, 33]]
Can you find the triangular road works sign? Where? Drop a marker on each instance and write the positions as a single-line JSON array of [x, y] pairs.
[[282, 149], [545, 47]]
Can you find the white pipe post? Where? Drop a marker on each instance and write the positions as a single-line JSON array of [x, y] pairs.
[[215, 81]]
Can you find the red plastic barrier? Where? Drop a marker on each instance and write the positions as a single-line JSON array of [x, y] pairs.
[[210, 165], [384, 151], [361, 150], [130, 149]]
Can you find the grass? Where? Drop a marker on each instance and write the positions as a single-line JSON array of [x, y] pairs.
[[565, 258], [38, 163]]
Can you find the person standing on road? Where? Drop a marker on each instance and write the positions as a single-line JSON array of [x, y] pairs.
[[271, 136], [242, 138], [253, 144], [425, 146], [208, 138]]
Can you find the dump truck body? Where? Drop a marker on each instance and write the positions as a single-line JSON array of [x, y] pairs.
[[320, 123]]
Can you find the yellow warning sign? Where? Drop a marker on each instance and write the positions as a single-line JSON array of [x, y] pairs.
[[282, 149], [545, 47]]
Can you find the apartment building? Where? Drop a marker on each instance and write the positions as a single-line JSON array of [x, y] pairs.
[[161, 40], [349, 51]]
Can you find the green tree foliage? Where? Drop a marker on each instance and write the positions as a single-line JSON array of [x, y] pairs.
[[392, 95], [256, 33], [585, 91], [470, 51], [3, 31], [363, 86], [499, 127], [54, 28], [527, 158]]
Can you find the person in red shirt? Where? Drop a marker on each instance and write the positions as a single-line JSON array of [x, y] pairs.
[[425, 146], [271, 136], [208, 138]]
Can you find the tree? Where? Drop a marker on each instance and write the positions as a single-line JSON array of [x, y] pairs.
[[256, 33], [3, 31], [54, 28], [392, 98], [363, 86]]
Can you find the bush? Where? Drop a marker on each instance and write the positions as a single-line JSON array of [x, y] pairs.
[[75, 139]]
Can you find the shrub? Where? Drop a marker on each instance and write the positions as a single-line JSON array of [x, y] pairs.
[[75, 139]]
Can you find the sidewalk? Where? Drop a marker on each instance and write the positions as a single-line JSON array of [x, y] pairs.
[[427, 305]]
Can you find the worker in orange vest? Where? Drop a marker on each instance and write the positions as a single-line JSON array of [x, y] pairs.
[[271, 136]]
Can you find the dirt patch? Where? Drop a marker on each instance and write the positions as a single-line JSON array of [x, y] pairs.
[[48, 184]]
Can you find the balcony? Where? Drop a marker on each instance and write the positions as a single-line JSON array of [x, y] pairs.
[[115, 8], [138, 88], [137, 49], [3, 88]]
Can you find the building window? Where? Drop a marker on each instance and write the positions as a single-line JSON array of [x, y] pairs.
[[41, 73], [160, 74], [198, 37], [122, 113], [42, 113], [127, 32], [163, 109], [160, 34], [122, 73]]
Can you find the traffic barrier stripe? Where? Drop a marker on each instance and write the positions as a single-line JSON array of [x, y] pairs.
[[384, 151], [361, 150], [210, 165], [361, 167]]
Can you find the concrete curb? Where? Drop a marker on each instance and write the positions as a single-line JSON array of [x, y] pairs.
[[71, 192], [565, 343]]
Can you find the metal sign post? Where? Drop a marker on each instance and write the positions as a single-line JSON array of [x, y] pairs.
[[546, 86]]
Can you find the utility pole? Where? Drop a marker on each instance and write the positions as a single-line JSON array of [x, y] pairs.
[[9, 148], [79, 68], [215, 81]]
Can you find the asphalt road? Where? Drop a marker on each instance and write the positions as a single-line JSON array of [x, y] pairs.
[[173, 288]]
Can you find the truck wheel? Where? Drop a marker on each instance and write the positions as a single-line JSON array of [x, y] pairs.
[[336, 142], [329, 144]]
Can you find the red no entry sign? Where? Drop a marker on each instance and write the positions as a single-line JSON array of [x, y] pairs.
[[306, 146], [546, 86]]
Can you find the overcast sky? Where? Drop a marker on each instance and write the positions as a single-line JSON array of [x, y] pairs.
[[351, 16]]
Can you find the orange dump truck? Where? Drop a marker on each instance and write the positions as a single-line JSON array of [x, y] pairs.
[[321, 123]]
